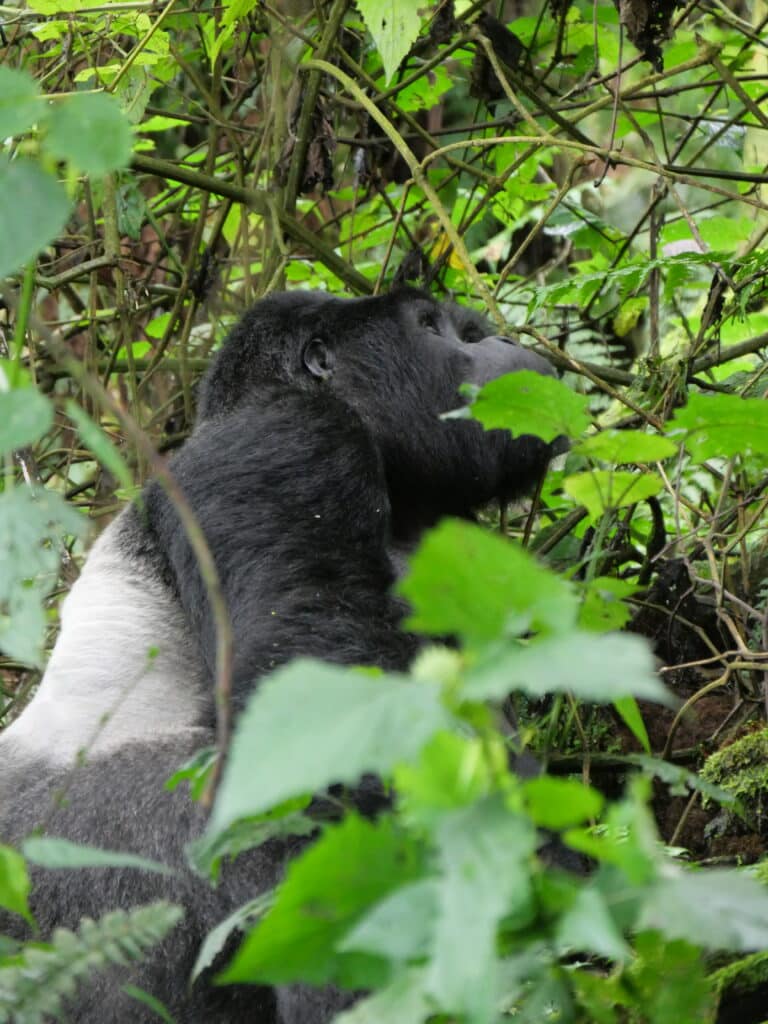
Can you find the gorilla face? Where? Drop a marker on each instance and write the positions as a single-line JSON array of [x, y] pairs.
[[398, 361]]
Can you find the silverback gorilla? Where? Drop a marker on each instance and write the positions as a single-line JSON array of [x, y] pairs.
[[317, 459]]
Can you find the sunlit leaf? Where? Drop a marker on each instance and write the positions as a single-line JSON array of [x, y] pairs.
[[326, 892], [529, 403], [626, 446], [601, 490], [719, 426], [316, 724], [561, 803], [592, 666], [14, 882], [394, 26], [467, 581]]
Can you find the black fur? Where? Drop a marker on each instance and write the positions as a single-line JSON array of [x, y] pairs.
[[318, 451]]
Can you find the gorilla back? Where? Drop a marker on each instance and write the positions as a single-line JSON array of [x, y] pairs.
[[318, 450]]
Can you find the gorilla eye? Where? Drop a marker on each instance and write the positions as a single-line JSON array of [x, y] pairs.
[[428, 319]]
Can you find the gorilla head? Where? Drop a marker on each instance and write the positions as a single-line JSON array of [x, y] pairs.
[[398, 361]]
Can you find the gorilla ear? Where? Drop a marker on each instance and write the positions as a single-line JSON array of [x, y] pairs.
[[318, 358]]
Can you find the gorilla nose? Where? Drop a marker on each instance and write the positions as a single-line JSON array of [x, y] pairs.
[[492, 357]]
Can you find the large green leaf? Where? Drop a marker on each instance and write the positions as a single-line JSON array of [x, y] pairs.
[[717, 909], [25, 415], [33, 210], [90, 131], [626, 446], [403, 1001], [314, 725], [483, 854], [400, 927], [467, 581], [603, 489], [20, 102], [722, 426], [588, 926], [394, 26], [592, 666], [528, 403], [326, 892]]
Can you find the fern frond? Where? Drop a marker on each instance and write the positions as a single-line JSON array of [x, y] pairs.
[[36, 986]]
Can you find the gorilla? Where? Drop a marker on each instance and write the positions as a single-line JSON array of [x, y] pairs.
[[317, 460]]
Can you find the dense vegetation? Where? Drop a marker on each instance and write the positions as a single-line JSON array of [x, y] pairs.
[[593, 174]]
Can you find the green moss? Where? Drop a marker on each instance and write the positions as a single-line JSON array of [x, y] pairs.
[[760, 871], [742, 769], [742, 976]]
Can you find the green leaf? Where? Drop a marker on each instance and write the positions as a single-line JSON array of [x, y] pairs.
[[56, 6], [206, 853], [326, 892], [630, 715], [400, 927], [483, 853], [603, 608], [98, 442], [527, 403], [403, 1001], [217, 938], [451, 771], [33, 210], [394, 26], [682, 781], [467, 581], [592, 666], [25, 415], [725, 234], [427, 91], [668, 980], [626, 446], [158, 1009], [717, 909], [20, 102], [52, 852], [561, 803], [31, 527], [89, 131], [627, 840], [14, 883], [314, 725], [587, 926], [719, 426], [601, 490]]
